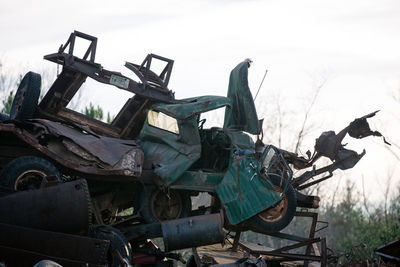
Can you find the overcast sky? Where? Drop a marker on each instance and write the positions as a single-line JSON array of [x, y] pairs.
[[355, 45]]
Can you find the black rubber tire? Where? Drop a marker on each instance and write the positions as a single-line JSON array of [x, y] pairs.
[[13, 172], [257, 224], [26, 98], [143, 203], [118, 243]]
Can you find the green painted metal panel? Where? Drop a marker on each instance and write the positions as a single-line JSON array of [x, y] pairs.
[[171, 154], [193, 106], [244, 192], [243, 115], [198, 180], [240, 139]]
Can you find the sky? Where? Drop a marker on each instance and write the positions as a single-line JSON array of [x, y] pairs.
[[351, 45]]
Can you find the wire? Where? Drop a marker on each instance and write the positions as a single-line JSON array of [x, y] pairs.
[[265, 74]]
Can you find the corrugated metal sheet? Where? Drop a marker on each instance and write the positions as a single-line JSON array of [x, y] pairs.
[[244, 192]]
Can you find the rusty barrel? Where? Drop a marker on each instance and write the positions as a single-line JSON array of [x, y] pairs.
[[61, 208], [193, 231]]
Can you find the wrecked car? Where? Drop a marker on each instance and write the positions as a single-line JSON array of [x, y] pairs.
[[156, 154]]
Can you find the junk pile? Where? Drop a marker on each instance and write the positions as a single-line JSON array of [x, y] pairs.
[[81, 192]]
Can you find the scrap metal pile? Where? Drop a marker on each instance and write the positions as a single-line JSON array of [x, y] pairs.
[[80, 191]]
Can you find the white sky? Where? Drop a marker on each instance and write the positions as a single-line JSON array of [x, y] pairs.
[[355, 44]]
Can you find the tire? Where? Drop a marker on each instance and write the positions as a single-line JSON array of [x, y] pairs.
[[276, 218], [155, 205], [118, 243], [26, 97], [27, 172], [4, 117]]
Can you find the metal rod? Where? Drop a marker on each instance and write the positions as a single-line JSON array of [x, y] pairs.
[[265, 74]]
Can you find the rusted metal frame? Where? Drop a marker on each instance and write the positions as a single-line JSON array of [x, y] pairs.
[[298, 245], [149, 76], [122, 112], [296, 182], [326, 224], [96, 211], [390, 257], [104, 76], [71, 42], [288, 236], [306, 241], [96, 125], [129, 125], [324, 256], [134, 69], [314, 217], [196, 257], [155, 85], [236, 239], [103, 201], [96, 72], [315, 182], [71, 90], [94, 172], [146, 65], [288, 256], [167, 70]]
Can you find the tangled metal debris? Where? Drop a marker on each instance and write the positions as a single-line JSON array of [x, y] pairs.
[[105, 189]]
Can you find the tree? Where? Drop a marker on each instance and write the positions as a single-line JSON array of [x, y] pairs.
[[91, 111], [110, 118], [7, 102]]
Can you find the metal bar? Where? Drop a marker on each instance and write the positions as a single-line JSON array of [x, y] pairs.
[[130, 124], [71, 43], [288, 237], [96, 211], [196, 257], [305, 214], [170, 65], [324, 258], [311, 235], [236, 240], [323, 227], [315, 182], [300, 244], [387, 256], [289, 256]]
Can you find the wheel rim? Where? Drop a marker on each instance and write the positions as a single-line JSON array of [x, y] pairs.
[[30, 179], [277, 212], [166, 206]]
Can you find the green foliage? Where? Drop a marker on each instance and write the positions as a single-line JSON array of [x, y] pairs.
[[350, 225], [6, 85], [110, 118], [91, 111], [7, 103], [352, 230]]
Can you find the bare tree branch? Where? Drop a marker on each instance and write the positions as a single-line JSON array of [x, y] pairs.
[[301, 133], [364, 198]]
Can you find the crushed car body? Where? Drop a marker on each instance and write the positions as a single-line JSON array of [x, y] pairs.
[[155, 155]]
